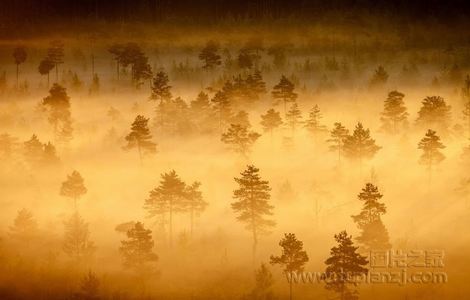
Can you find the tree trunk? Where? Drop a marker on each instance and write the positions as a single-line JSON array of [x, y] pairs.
[[192, 221], [290, 286], [17, 67], [171, 223]]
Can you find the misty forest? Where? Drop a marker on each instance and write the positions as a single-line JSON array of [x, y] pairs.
[[213, 161]]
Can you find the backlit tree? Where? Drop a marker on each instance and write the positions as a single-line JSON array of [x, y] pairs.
[[140, 137]]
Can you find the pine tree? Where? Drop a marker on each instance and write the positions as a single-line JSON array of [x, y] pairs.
[[343, 265], [223, 107], [168, 198], [360, 145], [242, 119], [209, 55], [434, 113], [58, 103], [73, 187], [313, 124], [380, 77], [140, 137], [263, 284], [24, 226], [466, 99], [117, 50], [194, 201], [270, 121], [55, 54], [256, 85], [50, 157], [20, 55], [252, 205], [293, 257], [394, 116], [240, 139], [45, 67], [374, 235], [337, 139], [77, 242], [284, 91], [201, 105], [431, 145], [294, 118], [33, 151], [160, 88], [137, 250], [89, 287]]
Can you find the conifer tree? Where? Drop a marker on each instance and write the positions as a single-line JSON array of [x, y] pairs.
[[20, 55], [117, 50], [360, 145], [241, 118], [55, 54], [313, 124], [137, 250], [293, 257], [33, 151], [195, 203], [294, 118], [431, 145], [263, 284], [380, 77], [252, 203], [466, 99], [240, 139], [337, 137], [394, 116], [89, 287], [45, 67], [222, 107], [73, 187], [50, 157], [434, 113], [140, 137], [209, 55], [284, 91], [24, 226], [77, 244], [161, 90], [343, 265], [58, 103], [374, 235], [270, 121], [168, 198], [255, 85]]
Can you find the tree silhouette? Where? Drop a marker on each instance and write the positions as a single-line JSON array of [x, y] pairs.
[[293, 257], [168, 198], [337, 138], [58, 103], [89, 287], [374, 235], [360, 145], [50, 157], [140, 137], [209, 55], [380, 77], [160, 88], [294, 118], [431, 145], [33, 151], [194, 201], [240, 139], [252, 203], [284, 91], [45, 67], [137, 250], [466, 98], [343, 265], [434, 113], [55, 54], [20, 55], [222, 107], [73, 187], [77, 242], [117, 50], [255, 85], [263, 284], [313, 124], [270, 121], [24, 226], [394, 116]]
